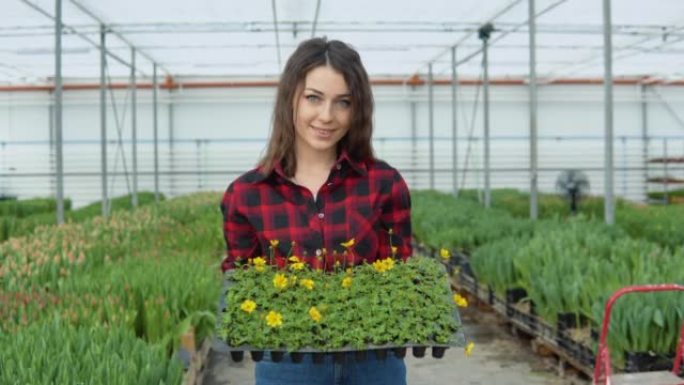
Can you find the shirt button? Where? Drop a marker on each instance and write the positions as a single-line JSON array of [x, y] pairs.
[[329, 183], [318, 252], [339, 166], [321, 215]]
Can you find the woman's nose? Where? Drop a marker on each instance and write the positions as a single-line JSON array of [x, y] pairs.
[[325, 113]]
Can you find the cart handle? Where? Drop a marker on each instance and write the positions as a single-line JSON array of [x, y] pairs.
[[602, 369]]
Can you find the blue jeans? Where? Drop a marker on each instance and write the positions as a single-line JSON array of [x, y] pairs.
[[370, 371]]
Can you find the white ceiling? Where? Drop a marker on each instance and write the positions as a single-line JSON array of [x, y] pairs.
[[226, 38]]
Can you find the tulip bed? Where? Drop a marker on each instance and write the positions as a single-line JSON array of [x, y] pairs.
[[105, 301], [571, 264]]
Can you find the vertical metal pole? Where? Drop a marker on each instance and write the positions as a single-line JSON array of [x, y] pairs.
[[431, 111], [198, 163], [134, 129], [414, 137], [454, 122], [666, 180], [485, 65], [644, 138], [534, 200], [155, 125], [58, 111], [608, 86], [623, 140], [103, 121], [51, 160], [172, 186]]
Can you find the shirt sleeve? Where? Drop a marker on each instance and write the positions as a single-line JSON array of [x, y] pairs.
[[396, 221], [239, 234]]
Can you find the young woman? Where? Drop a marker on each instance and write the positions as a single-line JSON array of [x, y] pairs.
[[318, 186]]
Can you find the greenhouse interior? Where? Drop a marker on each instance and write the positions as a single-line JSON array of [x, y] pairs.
[[190, 192]]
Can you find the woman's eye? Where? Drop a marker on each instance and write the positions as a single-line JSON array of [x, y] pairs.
[[344, 103], [312, 98]]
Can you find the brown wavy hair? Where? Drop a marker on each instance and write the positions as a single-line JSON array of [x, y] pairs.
[[342, 58]]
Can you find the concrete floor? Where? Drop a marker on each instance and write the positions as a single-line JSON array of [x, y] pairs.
[[498, 358]]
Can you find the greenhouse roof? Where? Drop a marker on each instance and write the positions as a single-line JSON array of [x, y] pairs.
[[396, 39]]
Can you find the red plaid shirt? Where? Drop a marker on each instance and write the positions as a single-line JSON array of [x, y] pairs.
[[365, 201]]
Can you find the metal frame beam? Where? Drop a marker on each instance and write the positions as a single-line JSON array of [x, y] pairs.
[[58, 111], [534, 201], [609, 205], [103, 120], [142, 53]]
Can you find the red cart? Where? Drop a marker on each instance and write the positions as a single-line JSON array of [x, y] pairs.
[[602, 370]]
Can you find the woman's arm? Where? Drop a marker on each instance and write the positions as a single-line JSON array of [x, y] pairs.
[[396, 221], [240, 236]]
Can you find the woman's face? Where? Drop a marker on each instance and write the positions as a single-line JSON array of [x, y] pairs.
[[322, 108]]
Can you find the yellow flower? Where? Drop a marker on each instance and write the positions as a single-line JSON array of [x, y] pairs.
[[293, 280], [280, 281], [394, 250], [315, 314], [348, 244], [307, 283], [294, 259], [469, 349], [460, 300], [274, 243], [248, 306], [297, 266], [445, 254], [274, 319], [346, 282], [259, 264], [383, 265], [349, 271], [389, 263], [337, 264]]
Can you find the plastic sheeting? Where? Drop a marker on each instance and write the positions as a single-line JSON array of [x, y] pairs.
[[237, 39]]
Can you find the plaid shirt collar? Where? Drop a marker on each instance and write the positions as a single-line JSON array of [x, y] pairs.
[[358, 167]]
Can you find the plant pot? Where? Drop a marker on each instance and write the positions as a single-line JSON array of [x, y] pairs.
[[533, 316], [570, 321], [456, 259], [595, 335], [297, 357], [237, 355], [419, 351], [586, 355], [466, 269], [438, 351], [647, 362], [257, 355], [317, 358], [339, 357], [381, 354], [277, 356], [399, 352], [360, 355], [490, 295], [513, 296]]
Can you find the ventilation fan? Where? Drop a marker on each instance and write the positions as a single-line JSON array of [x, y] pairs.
[[573, 185]]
